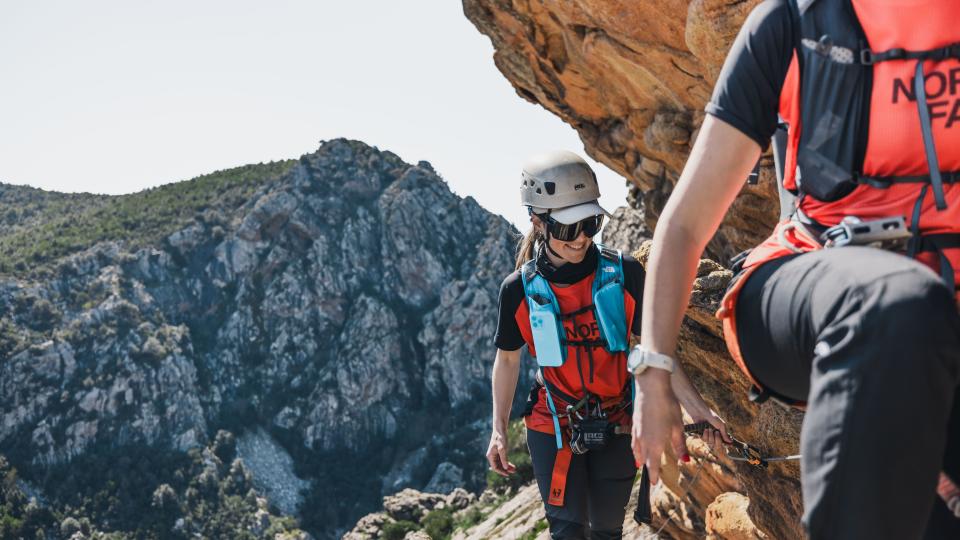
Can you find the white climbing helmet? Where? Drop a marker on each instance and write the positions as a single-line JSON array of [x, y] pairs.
[[562, 184]]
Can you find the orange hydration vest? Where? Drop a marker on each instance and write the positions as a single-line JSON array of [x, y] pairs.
[[872, 105]]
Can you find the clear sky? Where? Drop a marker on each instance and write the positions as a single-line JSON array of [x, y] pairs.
[[116, 96]]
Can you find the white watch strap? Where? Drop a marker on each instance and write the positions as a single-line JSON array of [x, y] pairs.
[[657, 360], [642, 358]]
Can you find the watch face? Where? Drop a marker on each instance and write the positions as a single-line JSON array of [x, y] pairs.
[[635, 360]]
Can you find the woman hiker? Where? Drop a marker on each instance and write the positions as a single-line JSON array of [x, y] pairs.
[[867, 338], [574, 304]]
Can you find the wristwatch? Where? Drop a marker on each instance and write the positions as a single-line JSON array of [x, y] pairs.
[[641, 358]]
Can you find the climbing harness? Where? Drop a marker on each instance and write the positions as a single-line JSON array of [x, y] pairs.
[[885, 233], [589, 427], [549, 341]]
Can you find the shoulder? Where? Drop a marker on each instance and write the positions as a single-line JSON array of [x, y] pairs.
[[511, 291], [768, 31], [771, 13], [633, 276], [747, 91], [632, 267]]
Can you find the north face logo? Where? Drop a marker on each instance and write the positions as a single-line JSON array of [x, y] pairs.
[[942, 94]]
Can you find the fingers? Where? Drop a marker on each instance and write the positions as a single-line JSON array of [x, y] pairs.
[[653, 467], [508, 467], [493, 458], [710, 437], [721, 427], [637, 448], [497, 458], [641, 453], [679, 443]]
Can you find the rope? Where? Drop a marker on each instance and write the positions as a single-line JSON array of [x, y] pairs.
[[685, 495]]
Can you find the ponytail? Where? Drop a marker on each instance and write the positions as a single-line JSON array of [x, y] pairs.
[[526, 248]]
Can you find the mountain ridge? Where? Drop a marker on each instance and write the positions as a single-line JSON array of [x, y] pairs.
[[347, 308]]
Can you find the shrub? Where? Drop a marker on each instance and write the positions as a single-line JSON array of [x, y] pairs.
[[398, 529], [439, 523]]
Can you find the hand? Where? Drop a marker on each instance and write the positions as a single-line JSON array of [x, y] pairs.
[[717, 436], [656, 418], [497, 454]]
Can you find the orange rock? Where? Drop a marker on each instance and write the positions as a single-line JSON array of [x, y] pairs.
[[727, 519]]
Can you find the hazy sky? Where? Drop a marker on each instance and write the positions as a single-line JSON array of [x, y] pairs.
[[117, 96]]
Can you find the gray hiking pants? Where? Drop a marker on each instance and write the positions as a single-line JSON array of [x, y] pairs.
[[598, 488], [871, 340]]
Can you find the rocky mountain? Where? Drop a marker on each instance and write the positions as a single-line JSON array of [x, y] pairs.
[[632, 78], [333, 314]]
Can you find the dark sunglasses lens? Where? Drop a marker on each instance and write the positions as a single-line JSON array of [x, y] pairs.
[[564, 232], [591, 226], [568, 233]]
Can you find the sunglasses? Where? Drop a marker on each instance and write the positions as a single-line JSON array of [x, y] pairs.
[[569, 232]]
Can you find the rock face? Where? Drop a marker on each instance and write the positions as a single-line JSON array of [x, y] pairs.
[[348, 308], [632, 78]]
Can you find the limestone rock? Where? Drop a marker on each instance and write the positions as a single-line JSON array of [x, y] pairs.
[[411, 505], [727, 519], [459, 498], [445, 479], [369, 527]]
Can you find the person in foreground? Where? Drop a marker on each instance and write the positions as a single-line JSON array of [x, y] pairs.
[[574, 304], [849, 306]]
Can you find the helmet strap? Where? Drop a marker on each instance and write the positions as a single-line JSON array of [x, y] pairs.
[[546, 242]]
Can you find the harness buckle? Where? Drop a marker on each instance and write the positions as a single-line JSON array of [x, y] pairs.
[[886, 233], [866, 57]]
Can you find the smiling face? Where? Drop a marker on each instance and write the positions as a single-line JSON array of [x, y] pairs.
[[573, 251]]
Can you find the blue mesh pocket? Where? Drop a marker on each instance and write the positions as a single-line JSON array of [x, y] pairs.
[[612, 316]]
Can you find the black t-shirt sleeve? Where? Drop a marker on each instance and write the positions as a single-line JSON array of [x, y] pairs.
[[633, 276], [747, 93], [508, 335]]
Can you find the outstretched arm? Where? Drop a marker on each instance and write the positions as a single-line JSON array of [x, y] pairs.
[[718, 165]]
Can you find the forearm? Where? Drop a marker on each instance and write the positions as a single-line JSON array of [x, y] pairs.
[[688, 395], [506, 372], [669, 280], [719, 162]]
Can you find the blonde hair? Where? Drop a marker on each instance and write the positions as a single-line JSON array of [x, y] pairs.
[[527, 247]]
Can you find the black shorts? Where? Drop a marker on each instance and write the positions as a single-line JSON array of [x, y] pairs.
[[871, 341]]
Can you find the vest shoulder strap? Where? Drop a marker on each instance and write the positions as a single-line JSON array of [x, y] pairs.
[[535, 285], [609, 267]]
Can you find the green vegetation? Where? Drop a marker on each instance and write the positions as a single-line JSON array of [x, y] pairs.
[[141, 492], [517, 454], [19, 517], [439, 524], [532, 534], [398, 529], [39, 227], [470, 517]]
